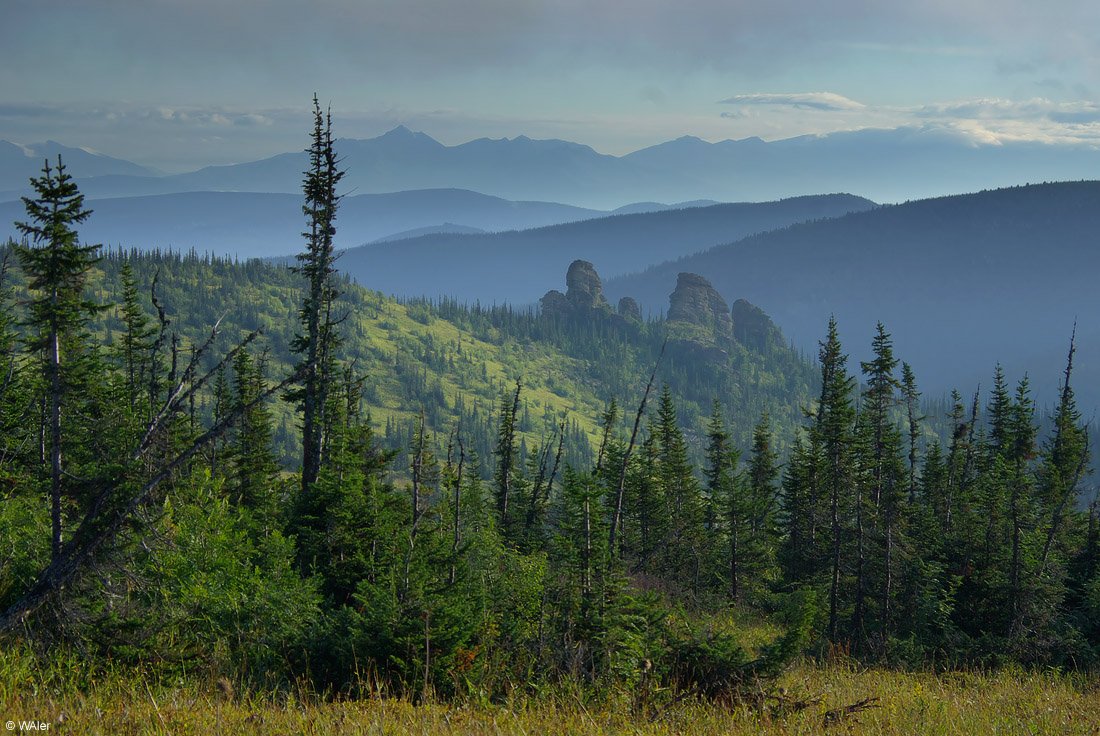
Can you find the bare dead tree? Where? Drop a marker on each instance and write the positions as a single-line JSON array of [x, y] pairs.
[[617, 507]]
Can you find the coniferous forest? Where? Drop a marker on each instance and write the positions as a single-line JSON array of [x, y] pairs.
[[268, 478]]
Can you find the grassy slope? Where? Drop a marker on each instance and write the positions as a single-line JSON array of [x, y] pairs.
[[379, 334], [72, 700]]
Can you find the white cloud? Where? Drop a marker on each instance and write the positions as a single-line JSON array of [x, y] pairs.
[[1076, 112], [978, 121], [804, 100]]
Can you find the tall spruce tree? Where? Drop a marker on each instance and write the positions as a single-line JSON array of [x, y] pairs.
[[883, 475], [504, 475], [834, 428], [1065, 462], [137, 333], [760, 492], [57, 267], [253, 481], [686, 541], [318, 341], [723, 491], [913, 419]]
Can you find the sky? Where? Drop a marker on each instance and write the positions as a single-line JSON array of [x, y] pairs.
[[185, 83]]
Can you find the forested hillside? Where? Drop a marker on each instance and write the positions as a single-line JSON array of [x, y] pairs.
[[455, 364], [963, 282]]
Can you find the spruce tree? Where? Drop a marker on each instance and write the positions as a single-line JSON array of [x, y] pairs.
[[253, 482], [504, 476], [723, 490], [1065, 462], [57, 268], [911, 396], [833, 425], [318, 341], [760, 490], [686, 539], [137, 333], [882, 469]]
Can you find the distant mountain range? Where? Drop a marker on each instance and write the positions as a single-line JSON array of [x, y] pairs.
[[519, 267], [20, 163], [962, 282], [887, 165]]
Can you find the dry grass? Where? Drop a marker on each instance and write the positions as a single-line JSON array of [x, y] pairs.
[[118, 704]]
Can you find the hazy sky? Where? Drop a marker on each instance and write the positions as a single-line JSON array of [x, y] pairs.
[[180, 84]]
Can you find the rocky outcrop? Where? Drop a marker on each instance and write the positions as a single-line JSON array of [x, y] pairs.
[[555, 304], [584, 290], [629, 309], [752, 327], [695, 302], [583, 297]]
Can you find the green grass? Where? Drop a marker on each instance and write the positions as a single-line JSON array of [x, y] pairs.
[[77, 699]]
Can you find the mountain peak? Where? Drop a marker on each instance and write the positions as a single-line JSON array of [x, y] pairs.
[[402, 134]]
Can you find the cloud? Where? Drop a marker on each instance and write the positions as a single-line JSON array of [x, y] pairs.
[[997, 109], [398, 38], [985, 121], [807, 100]]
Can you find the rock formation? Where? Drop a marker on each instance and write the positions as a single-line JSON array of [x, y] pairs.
[[628, 308], [584, 290], [695, 302], [555, 304], [752, 327]]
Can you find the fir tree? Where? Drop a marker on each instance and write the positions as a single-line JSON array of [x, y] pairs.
[[253, 480], [882, 470], [57, 267], [318, 341], [911, 396], [833, 425], [760, 490], [686, 540], [137, 332]]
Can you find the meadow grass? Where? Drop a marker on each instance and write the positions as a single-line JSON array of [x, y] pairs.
[[74, 698]]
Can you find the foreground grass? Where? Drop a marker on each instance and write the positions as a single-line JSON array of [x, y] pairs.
[[908, 703]]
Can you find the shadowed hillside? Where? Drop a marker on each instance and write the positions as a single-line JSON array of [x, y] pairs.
[[518, 267], [962, 282]]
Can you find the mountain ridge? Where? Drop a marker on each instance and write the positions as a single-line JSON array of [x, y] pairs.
[[885, 164], [518, 267]]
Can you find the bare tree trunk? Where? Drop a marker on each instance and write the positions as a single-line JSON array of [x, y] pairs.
[[888, 584], [587, 544], [734, 588], [834, 587], [617, 507], [417, 473], [861, 585], [457, 508], [55, 444]]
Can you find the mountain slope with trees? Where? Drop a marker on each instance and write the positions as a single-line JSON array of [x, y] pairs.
[[966, 281]]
